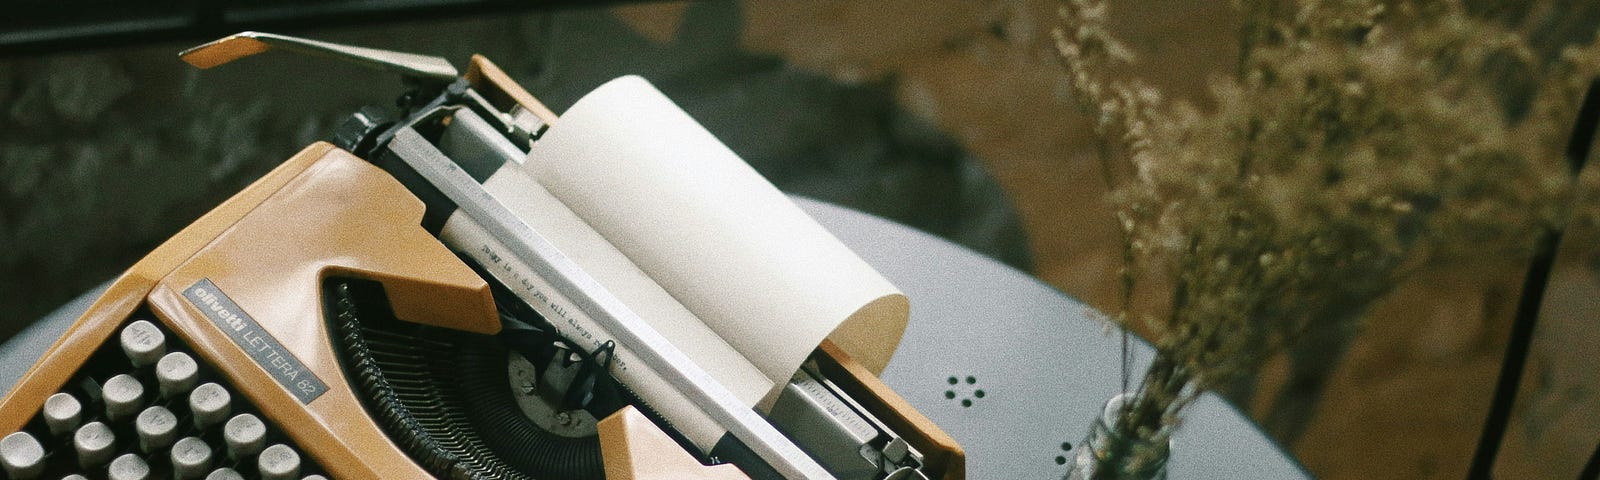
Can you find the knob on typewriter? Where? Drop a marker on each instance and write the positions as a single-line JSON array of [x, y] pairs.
[[62, 413], [176, 373], [123, 395], [156, 427], [128, 467], [191, 458], [21, 456], [210, 404]]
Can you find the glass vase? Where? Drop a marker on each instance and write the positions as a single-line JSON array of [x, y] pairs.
[[1108, 453]]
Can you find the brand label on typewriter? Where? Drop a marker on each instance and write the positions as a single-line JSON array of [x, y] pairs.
[[255, 341]]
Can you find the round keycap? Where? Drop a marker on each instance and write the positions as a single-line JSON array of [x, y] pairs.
[[95, 443], [21, 456], [279, 462], [245, 435], [123, 395], [210, 404], [62, 412], [176, 373], [128, 467], [143, 343], [157, 427], [191, 458], [224, 474]]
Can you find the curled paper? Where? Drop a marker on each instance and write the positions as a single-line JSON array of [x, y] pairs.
[[713, 233]]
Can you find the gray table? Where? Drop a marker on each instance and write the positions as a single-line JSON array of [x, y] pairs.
[[1045, 365]]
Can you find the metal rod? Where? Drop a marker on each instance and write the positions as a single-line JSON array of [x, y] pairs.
[[1533, 288], [697, 385]]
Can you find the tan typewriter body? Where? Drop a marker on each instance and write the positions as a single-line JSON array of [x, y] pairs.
[[324, 211], [327, 212]]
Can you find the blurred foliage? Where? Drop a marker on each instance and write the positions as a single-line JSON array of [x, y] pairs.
[[1356, 142]]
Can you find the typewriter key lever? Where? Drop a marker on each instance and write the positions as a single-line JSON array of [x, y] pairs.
[[411, 66]]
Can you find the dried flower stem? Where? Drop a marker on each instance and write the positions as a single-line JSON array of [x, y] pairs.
[[1356, 142]]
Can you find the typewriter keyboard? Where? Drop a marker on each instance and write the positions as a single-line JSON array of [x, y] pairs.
[[144, 407]]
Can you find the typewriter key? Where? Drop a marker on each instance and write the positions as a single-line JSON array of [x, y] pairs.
[[94, 442], [245, 435], [22, 456], [143, 342], [210, 404], [62, 413], [122, 394], [176, 373], [191, 458], [156, 426], [224, 474], [279, 462], [128, 467]]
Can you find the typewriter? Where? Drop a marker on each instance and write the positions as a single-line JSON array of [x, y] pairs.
[[375, 308]]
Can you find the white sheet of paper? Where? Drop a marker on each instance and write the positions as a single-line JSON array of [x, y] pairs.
[[713, 233], [580, 243]]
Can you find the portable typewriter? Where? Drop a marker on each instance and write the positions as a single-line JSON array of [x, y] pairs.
[[324, 323]]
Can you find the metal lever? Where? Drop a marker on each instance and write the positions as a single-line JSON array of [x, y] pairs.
[[244, 44]]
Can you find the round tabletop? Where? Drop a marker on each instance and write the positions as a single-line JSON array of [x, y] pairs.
[[1031, 366], [1044, 363]]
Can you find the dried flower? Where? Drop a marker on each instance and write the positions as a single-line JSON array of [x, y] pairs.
[[1357, 141]]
